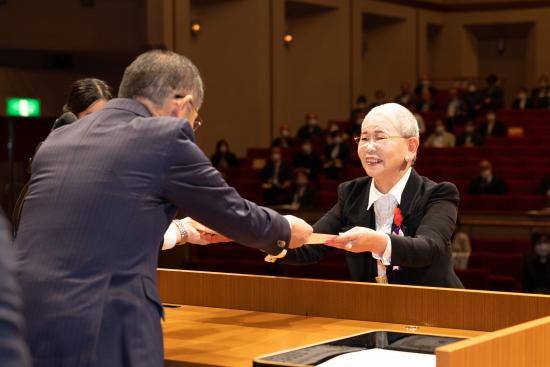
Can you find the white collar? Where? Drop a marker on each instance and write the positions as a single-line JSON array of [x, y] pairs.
[[396, 191]]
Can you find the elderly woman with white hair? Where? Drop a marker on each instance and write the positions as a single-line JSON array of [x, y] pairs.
[[395, 225]]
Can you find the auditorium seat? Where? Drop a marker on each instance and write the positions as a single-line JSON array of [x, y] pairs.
[[474, 278]]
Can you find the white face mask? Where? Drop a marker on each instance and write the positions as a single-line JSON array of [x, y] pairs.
[[542, 249], [486, 173]]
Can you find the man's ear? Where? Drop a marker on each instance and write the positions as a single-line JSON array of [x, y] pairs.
[[412, 145], [180, 106]]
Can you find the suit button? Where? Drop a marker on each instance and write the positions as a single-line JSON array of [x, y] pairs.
[[281, 243]]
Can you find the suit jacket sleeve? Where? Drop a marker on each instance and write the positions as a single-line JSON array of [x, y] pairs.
[[200, 191], [13, 350], [431, 241], [330, 223]]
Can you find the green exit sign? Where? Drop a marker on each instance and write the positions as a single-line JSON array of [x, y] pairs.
[[23, 107]]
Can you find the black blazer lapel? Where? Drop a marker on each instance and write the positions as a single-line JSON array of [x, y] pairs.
[[409, 198]]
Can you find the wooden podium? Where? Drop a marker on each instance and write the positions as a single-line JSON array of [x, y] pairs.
[[229, 319]]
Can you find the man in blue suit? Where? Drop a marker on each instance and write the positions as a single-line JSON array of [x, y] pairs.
[[102, 193], [13, 350]]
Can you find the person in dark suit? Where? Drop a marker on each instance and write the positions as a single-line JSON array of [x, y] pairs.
[[336, 155], [470, 137], [307, 160], [486, 183], [102, 193], [395, 225], [310, 130], [284, 140], [491, 126], [13, 350], [276, 179], [303, 195], [223, 158]]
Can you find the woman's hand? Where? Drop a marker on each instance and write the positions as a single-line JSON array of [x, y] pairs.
[[360, 239]]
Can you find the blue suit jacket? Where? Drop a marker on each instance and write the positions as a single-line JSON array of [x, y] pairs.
[[13, 350], [102, 193]]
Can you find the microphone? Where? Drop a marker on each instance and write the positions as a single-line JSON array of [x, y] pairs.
[[65, 119]]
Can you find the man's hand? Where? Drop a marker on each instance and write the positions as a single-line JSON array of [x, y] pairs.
[[199, 234], [196, 233], [300, 231]]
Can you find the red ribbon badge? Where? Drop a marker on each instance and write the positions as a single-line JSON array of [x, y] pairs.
[[397, 217]]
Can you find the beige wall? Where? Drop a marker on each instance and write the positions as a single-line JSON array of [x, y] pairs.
[[65, 25], [317, 67], [391, 56], [232, 53]]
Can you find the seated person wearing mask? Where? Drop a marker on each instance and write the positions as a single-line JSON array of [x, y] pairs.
[[486, 183]]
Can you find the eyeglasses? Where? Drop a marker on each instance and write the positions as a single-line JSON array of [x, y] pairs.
[[376, 140], [198, 119]]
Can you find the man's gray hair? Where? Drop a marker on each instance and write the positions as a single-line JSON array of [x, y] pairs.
[[397, 115], [157, 74]]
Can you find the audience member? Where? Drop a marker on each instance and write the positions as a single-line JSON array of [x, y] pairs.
[[276, 177], [336, 155], [355, 124], [379, 98], [284, 140], [494, 95], [440, 138], [223, 158], [536, 268], [360, 107], [424, 85], [310, 130], [486, 183], [307, 160], [473, 100], [425, 102], [491, 126], [456, 110], [303, 195], [405, 97], [541, 93], [462, 247], [470, 137], [521, 102], [419, 119]]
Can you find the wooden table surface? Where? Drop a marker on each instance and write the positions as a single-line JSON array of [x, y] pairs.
[[204, 336]]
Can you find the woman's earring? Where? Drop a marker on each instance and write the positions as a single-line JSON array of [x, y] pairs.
[[407, 158]]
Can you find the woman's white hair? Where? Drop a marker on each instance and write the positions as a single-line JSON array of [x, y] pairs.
[[398, 116]]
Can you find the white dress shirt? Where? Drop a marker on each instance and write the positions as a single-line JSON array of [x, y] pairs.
[[384, 207]]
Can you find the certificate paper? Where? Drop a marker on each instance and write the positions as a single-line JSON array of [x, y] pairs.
[[315, 238]]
